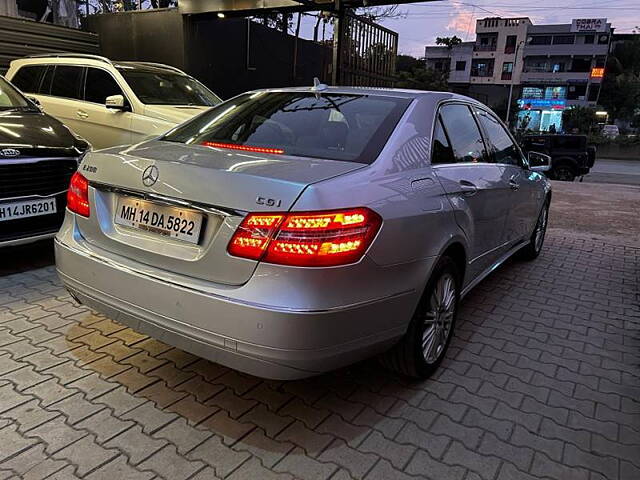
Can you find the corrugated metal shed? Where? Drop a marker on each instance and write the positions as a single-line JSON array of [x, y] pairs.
[[19, 37]]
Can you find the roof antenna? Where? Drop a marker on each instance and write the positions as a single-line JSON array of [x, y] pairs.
[[318, 87]]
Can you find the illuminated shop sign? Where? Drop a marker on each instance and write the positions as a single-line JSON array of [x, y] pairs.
[[541, 104], [597, 72]]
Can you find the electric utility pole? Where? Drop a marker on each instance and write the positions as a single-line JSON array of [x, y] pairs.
[[513, 70]]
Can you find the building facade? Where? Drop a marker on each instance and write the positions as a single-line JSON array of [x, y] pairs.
[[497, 50], [548, 67]]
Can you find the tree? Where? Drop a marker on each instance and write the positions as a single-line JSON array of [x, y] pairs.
[[421, 78], [406, 63], [501, 109], [578, 118], [449, 42], [620, 90], [161, 3], [627, 53], [279, 21], [620, 96], [375, 14]]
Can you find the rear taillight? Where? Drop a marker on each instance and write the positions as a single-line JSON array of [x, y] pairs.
[[306, 239], [78, 195]]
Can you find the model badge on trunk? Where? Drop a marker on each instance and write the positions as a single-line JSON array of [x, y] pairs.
[[150, 175]]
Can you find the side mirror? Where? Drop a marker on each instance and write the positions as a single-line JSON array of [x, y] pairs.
[[539, 162], [115, 102]]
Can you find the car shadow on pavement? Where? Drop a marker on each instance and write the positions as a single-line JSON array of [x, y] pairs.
[[230, 404], [23, 258]]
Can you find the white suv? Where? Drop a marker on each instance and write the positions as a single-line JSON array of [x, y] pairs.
[[111, 103]]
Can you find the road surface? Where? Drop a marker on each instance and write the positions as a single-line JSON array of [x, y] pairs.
[[615, 171]]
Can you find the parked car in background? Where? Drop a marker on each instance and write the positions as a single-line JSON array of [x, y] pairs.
[[610, 131], [38, 156], [111, 103], [289, 232], [571, 155]]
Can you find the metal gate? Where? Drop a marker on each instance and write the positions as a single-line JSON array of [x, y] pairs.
[[367, 53]]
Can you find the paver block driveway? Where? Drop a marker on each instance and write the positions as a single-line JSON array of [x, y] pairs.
[[541, 381]]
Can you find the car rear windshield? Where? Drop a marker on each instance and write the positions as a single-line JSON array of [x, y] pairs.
[[10, 99], [155, 86], [332, 126]]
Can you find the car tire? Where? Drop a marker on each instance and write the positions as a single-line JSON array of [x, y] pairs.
[[564, 172], [423, 347], [532, 250]]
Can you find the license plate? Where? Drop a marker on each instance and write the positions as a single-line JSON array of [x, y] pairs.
[[164, 220], [27, 208]]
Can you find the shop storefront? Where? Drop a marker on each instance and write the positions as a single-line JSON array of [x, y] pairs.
[[540, 109]]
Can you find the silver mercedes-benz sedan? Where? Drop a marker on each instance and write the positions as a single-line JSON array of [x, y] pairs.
[[289, 232]]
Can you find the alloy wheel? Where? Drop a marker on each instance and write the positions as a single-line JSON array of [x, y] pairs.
[[541, 228], [438, 318]]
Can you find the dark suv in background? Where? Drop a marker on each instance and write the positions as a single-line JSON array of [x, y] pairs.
[[571, 155], [38, 156]]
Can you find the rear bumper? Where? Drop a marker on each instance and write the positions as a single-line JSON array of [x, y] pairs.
[[28, 239], [264, 340]]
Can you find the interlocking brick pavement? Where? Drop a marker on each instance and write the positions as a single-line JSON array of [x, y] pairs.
[[542, 380]]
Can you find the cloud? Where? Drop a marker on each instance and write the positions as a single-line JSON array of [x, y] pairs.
[[463, 23]]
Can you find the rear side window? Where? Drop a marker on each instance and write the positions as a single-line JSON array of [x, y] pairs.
[[67, 81], [28, 78], [463, 133], [442, 152], [504, 150], [99, 85], [331, 126]]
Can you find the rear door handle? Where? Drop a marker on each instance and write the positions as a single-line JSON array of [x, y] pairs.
[[82, 114], [468, 188]]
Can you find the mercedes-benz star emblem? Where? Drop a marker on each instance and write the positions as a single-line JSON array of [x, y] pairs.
[[9, 152], [150, 175]]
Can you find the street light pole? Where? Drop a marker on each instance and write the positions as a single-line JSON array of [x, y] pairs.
[[513, 71]]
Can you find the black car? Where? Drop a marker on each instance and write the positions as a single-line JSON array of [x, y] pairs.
[[38, 155], [571, 156]]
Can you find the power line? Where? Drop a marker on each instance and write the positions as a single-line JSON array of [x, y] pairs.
[[523, 11], [521, 7]]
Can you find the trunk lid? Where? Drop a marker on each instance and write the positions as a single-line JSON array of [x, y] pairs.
[[218, 184]]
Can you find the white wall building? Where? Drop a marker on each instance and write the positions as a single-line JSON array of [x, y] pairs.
[[552, 66], [457, 60], [497, 52]]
